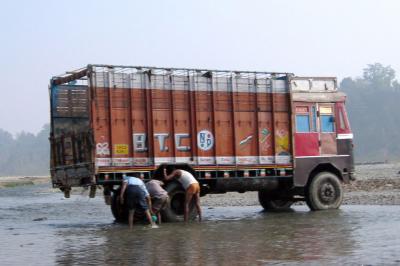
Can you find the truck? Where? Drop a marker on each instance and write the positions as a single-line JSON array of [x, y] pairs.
[[285, 136]]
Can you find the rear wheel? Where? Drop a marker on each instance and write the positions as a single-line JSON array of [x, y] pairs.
[[174, 210], [119, 211], [270, 203], [324, 192]]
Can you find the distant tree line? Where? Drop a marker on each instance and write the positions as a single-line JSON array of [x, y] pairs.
[[372, 104], [374, 111], [26, 154]]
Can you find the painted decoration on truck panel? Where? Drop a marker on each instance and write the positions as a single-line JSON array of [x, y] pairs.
[[282, 142], [121, 161], [179, 137], [202, 160], [162, 132], [265, 139], [141, 161], [205, 140], [121, 149], [102, 149], [206, 160], [139, 142], [103, 162], [245, 141], [161, 137], [225, 159], [246, 159]]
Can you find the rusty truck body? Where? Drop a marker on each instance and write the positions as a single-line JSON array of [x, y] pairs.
[[285, 136]]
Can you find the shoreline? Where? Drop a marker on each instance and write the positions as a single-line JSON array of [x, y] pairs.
[[16, 181]]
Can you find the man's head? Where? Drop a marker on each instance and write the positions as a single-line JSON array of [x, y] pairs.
[[170, 169]]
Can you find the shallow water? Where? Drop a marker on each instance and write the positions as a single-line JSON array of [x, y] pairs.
[[38, 226]]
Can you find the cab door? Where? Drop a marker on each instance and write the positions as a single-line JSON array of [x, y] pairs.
[[306, 130]]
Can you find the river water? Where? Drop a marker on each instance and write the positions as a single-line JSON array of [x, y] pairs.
[[40, 227]]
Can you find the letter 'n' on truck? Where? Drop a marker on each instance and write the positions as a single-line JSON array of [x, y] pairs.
[[286, 137]]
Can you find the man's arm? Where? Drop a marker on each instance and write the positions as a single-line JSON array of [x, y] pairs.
[[174, 174], [121, 196], [149, 203], [147, 195]]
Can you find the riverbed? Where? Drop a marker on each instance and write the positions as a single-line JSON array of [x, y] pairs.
[[39, 227]]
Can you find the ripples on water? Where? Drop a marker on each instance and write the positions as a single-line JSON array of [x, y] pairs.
[[40, 227]]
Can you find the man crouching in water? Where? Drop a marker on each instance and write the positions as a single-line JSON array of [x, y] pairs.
[[137, 198], [192, 189]]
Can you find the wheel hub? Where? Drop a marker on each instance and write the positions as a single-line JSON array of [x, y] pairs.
[[327, 193]]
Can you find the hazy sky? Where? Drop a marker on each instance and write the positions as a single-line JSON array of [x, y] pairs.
[[40, 39]]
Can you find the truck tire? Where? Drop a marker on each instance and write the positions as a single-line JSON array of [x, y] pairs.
[[324, 192], [119, 211], [174, 210], [272, 204]]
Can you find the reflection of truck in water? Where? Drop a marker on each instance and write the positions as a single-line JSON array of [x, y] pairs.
[[284, 136]]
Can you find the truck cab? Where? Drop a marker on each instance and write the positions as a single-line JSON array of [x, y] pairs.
[[323, 141]]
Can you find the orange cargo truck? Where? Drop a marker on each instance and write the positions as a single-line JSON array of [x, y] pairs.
[[286, 137]]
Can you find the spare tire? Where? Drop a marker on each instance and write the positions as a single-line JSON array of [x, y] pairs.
[[174, 210], [120, 211]]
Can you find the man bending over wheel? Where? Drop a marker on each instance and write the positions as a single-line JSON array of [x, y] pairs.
[[137, 197], [159, 197], [192, 189]]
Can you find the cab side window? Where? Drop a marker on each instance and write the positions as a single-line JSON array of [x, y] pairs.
[[302, 119], [342, 124], [327, 119], [342, 121]]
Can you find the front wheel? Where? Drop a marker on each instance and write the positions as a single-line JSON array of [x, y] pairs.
[[270, 203], [324, 192]]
